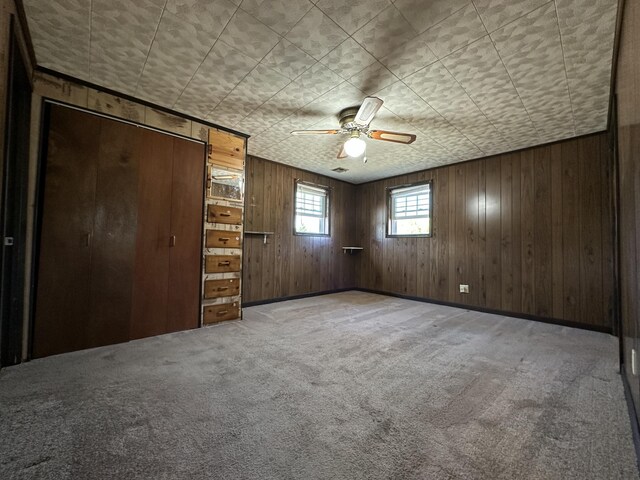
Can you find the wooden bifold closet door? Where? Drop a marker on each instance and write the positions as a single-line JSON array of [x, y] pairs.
[[120, 241], [168, 247]]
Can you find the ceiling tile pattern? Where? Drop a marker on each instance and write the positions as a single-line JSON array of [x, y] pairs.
[[209, 15], [373, 78], [62, 31], [469, 77], [497, 13], [424, 15], [288, 60], [113, 42], [222, 69], [178, 46], [460, 29], [316, 34], [409, 57], [249, 35], [386, 32], [279, 15], [351, 15], [348, 58]]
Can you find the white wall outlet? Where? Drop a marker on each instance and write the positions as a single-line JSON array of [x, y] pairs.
[[464, 288], [634, 369]]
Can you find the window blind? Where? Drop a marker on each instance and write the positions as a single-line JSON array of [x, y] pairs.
[[311, 201], [410, 202]]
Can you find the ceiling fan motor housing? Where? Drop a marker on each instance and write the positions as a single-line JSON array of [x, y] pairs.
[[355, 122], [347, 116]]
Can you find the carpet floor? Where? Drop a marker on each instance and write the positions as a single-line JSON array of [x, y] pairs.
[[345, 386]]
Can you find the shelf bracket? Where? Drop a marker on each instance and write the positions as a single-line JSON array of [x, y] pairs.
[[264, 235]]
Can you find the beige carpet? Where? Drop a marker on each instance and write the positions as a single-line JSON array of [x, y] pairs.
[[345, 386]]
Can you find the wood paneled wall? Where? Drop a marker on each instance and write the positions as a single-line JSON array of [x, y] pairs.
[[289, 265], [530, 232], [628, 101]]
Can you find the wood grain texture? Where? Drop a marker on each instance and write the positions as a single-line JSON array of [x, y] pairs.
[[115, 106], [223, 236], [52, 87], [64, 266], [289, 264], [151, 285], [221, 312], [167, 121], [225, 287], [222, 263], [223, 239], [518, 228], [226, 150], [185, 253], [628, 134], [114, 243], [115, 197], [224, 214], [48, 86]]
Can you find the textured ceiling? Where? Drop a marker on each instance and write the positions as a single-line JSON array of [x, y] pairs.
[[470, 78]]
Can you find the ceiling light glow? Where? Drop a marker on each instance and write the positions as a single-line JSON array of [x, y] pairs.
[[354, 147]]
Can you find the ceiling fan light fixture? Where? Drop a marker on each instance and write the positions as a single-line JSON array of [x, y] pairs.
[[355, 146], [355, 122]]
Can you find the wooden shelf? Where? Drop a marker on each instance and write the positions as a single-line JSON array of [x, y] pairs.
[[264, 234], [352, 250]]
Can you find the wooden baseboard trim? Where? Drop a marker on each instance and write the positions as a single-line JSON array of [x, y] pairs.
[[294, 297], [536, 318]]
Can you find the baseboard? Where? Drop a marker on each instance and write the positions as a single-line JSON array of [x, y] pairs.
[[536, 318], [294, 297], [633, 416]]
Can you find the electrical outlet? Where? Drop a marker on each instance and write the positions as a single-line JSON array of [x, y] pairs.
[[464, 288], [634, 369]]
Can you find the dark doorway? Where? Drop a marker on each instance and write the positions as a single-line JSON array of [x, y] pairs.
[[13, 211]]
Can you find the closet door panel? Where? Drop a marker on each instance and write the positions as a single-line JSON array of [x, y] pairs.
[[186, 226], [62, 299], [113, 247], [151, 277]]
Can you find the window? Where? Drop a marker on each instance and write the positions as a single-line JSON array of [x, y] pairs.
[[311, 209], [409, 210]]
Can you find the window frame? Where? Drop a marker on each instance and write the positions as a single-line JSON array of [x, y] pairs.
[[327, 208], [389, 191]]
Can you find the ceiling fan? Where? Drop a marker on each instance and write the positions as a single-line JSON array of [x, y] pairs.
[[354, 121]]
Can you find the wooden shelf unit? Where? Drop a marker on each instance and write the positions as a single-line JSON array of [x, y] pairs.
[[223, 230], [264, 235]]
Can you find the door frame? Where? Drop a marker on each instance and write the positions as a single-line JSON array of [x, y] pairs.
[[14, 208]]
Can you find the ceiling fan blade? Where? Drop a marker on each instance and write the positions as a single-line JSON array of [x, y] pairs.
[[395, 137], [368, 110], [315, 132], [342, 153]]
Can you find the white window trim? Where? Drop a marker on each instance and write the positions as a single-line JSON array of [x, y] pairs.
[[408, 190], [319, 190]]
